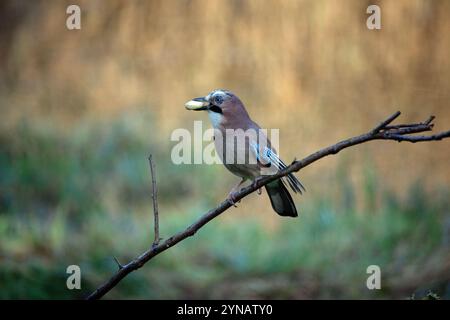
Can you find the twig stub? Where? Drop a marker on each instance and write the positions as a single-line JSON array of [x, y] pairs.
[[119, 265], [155, 201], [386, 122]]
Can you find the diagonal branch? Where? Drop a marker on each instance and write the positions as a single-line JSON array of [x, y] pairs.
[[381, 132]]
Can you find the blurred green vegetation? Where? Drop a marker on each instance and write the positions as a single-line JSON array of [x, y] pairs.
[[82, 196]]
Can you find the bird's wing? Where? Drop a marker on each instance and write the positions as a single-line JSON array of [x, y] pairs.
[[266, 156]]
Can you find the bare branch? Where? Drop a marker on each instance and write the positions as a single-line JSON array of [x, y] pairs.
[[409, 125], [380, 132], [386, 122], [433, 137], [155, 201]]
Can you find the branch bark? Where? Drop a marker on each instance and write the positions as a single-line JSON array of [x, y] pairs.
[[381, 132], [155, 201]]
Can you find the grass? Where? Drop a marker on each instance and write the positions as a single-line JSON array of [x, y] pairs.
[[82, 196]]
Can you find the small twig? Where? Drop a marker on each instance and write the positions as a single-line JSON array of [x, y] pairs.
[[398, 126], [118, 263], [434, 137], [400, 133], [430, 119], [385, 122], [409, 125], [155, 201]]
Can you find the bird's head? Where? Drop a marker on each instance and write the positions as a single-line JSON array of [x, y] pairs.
[[221, 102]]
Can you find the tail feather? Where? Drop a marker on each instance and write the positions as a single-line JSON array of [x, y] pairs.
[[280, 199]]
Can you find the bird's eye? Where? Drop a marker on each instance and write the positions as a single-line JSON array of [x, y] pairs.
[[218, 100]]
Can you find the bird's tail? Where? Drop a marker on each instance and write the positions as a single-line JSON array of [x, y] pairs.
[[280, 199]]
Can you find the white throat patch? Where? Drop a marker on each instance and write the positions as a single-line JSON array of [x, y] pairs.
[[215, 118]]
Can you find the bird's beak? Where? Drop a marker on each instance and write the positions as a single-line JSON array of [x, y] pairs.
[[197, 104]]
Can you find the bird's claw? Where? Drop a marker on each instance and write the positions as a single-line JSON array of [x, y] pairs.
[[255, 182], [259, 191], [232, 199]]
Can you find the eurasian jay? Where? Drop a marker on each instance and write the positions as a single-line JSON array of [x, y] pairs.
[[244, 148]]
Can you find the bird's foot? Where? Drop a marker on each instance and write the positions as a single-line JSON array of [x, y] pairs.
[[255, 182], [232, 198], [259, 191]]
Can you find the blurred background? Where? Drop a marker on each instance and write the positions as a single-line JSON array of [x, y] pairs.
[[81, 110]]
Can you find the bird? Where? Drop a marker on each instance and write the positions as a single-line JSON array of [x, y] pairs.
[[245, 150]]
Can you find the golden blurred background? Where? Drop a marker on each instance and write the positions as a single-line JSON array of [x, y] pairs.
[[311, 68]]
